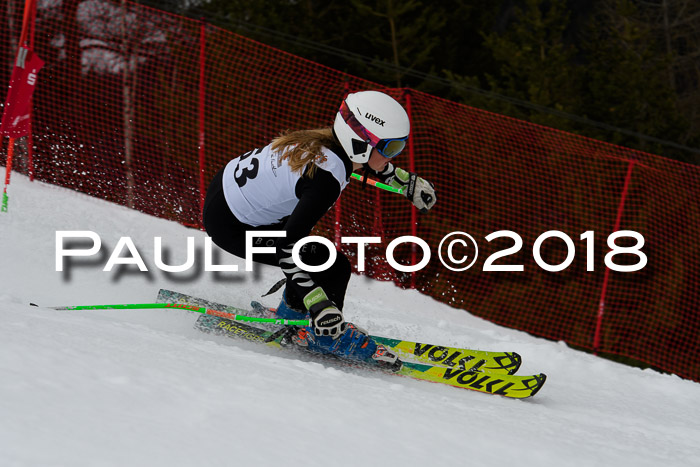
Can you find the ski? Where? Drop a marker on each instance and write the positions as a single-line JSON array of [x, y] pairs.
[[511, 386], [439, 364], [452, 357]]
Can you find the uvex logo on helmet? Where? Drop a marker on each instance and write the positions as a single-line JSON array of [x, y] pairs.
[[376, 120]]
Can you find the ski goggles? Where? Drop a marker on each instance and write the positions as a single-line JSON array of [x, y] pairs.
[[387, 147]]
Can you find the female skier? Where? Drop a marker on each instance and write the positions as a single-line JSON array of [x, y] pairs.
[[288, 186]]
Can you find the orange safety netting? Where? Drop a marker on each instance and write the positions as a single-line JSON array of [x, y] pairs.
[[142, 107]]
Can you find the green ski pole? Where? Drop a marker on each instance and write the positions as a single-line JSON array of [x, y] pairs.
[[377, 184], [197, 309]]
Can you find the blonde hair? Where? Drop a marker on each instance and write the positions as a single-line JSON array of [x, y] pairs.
[[303, 149]]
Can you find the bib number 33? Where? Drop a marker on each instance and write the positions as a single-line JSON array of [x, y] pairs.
[[247, 167]]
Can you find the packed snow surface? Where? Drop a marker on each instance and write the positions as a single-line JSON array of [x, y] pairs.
[[143, 388]]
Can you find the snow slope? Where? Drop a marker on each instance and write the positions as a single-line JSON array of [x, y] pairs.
[[142, 388]]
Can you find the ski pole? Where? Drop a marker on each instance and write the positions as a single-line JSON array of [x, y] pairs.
[[377, 184], [8, 174], [198, 309]]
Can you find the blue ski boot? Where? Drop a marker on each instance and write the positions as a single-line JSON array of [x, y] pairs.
[[284, 311], [353, 343]]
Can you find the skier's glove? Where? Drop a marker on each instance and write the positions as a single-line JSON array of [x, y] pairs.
[[418, 190], [326, 318]]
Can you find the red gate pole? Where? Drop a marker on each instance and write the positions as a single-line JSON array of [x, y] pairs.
[[30, 136], [338, 207], [606, 277], [8, 174], [202, 95], [411, 168]]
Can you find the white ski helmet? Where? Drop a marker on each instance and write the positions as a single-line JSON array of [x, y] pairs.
[[371, 119]]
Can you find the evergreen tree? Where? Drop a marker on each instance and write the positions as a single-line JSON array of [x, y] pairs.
[[674, 26], [623, 63], [536, 62], [626, 78], [404, 34]]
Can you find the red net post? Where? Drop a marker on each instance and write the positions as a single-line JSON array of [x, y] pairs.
[[606, 277]]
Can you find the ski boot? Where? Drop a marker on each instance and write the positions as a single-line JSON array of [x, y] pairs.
[[353, 344], [284, 311]]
